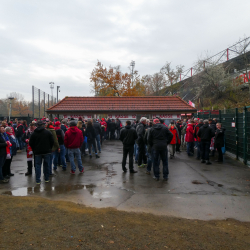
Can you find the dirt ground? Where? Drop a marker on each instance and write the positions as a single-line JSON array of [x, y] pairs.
[[38, 223]]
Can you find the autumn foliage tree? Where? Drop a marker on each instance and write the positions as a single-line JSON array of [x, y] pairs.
[[19, 107], [112, 82]]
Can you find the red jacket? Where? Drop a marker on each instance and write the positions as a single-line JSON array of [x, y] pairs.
[[176, 138], [189, 133], [73, 138], [103, 123]]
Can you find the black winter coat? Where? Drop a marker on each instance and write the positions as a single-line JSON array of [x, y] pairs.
[[219, 137], [140, 129], [112, 126], [3, 145], [128, 136], [97, 127], [206, 133], [159, 137], [90, 133], [19, 131], [41, 141]]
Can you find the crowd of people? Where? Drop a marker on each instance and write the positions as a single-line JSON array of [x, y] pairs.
[[54, 143]]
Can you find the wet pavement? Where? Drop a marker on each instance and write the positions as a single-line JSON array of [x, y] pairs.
[[194, 190]]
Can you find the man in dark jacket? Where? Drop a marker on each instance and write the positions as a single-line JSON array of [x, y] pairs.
[[141, 129], [128, 137], [73, 140], [205, 133], [19, 131], [159, 137], [98, 131], [118, 128], [219, 141], [179, 127], [3, 145], [41, 141], [112, 128]]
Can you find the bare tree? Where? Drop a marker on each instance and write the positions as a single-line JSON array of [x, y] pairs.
[[172, 76]]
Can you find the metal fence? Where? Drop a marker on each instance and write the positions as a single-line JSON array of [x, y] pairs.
[[41, 101], [237, 134]]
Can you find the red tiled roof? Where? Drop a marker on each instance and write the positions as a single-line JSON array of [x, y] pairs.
[[131, 103]]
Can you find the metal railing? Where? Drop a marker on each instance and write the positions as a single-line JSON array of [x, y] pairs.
[[237, 134]]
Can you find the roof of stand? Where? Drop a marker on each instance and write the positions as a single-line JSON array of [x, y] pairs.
[[123, 104]]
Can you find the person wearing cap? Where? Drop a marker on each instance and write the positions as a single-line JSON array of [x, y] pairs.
[[59, 153], [140, 130], [41, 141], [159, 137], [128, 136], [73, 140]]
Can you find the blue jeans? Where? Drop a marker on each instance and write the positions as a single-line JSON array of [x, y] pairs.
[[98, 142], [2, 161], [205, 149], [164, 157], [50, 163], [198, 149], [20, 142], [149, 164], [62, 157], [77, 153], [190, 148], [66, 155], [136, 152], [38, 165]]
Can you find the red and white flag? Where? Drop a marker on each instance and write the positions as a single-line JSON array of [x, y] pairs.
[[191, 103]]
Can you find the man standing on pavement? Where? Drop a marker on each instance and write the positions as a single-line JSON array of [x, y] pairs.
[[205, 133], [73, 140], [219, 141], [196, 130], [159, 137], [141, 129], [98, 131], [128, 137], [41, 141]]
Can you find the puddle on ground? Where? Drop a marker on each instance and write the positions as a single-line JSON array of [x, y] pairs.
[[61, 189], [197, 182]]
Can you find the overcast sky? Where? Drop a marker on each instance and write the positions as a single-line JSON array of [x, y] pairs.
[[60, 41]]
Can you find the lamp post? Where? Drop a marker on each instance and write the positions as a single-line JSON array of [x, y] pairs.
[[57, 90], [10, 98], [132, 64], [51, 87]]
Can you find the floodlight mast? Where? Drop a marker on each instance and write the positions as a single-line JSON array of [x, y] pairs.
[[10, 98], [52, 87], [132, 64]]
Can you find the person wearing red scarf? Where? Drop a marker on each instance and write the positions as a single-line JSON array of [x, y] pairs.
[[11, 151]]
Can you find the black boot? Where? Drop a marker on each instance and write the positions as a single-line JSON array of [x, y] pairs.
[[29, 170]]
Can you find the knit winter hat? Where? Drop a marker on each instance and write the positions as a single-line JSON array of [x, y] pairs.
[[72, 123], [57, 123]]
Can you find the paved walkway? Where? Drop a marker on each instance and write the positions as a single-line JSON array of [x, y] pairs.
[[223, 192]]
